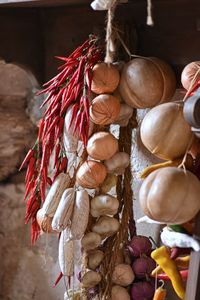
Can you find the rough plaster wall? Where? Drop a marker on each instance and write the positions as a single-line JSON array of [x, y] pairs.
[[26, 272]]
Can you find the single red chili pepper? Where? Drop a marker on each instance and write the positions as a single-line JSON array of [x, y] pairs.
[[50, 95], [86, 106], [42, 189], [57, 152], [67, 104], [44, 157], [27, 158], [35, 231], [58, 279], [40, 131], [49, 181], [28, 189], [53, 124], [30, 168], [75, 109], [163, 276], [63, 165]]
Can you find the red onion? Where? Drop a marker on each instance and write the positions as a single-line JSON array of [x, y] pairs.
[[142, 291], [143, 266], [139, 245]]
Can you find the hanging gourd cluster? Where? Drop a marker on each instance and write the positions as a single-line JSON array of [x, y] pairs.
[[78, 199]]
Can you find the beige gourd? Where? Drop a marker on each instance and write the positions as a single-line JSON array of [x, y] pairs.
[[123, 275], [105, 78], [147, 82], [90, 279], [125, 114], [164, 131], [102, 145], [170, 195], [66, 254], [62, 217], [80, 215], [104, 109], [91, 174], [106, 226], [119, 293], [55, 193], [117, 163], [90, 241], [94, 259], [103, 205]]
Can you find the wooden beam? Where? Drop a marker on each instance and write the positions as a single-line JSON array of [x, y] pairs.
[[41, 3], [193, 282]]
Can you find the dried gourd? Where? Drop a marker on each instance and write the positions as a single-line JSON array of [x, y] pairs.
[[170, 195], [64, 210], [80, 214], [164, 131]]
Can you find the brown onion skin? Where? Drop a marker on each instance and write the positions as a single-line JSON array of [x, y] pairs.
[[140, 245], [143, 267], [142, 290]]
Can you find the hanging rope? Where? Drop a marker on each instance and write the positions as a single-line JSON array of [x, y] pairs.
[[110, 36], [150, 21]]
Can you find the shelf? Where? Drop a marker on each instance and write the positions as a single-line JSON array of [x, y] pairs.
[[41, 3]]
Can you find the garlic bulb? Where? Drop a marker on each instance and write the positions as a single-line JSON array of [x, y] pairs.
[[90, 241], [106, 226], [94, 259], [123, 275], [90, 279], [125, 114], [117, 163], [119, 293], [91, 174], [105, 78], [105, 109], [109, 183], [64, 210], [102, 145], [80, 215], [104, 205]]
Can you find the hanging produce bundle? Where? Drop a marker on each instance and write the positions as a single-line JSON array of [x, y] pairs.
[[78, 180]]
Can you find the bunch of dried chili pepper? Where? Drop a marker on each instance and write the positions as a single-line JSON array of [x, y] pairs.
[[68, 88]]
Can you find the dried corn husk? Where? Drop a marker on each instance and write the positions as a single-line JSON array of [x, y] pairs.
[[55, 193], [80, 214], [64, 210], [66, 254]]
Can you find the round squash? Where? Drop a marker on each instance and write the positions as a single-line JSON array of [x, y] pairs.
[[147, 82], [170, 195], [190, 74], [164, 131]]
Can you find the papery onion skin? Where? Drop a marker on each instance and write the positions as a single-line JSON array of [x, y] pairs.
[[143, 266], [140, 245], [142, 290]]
